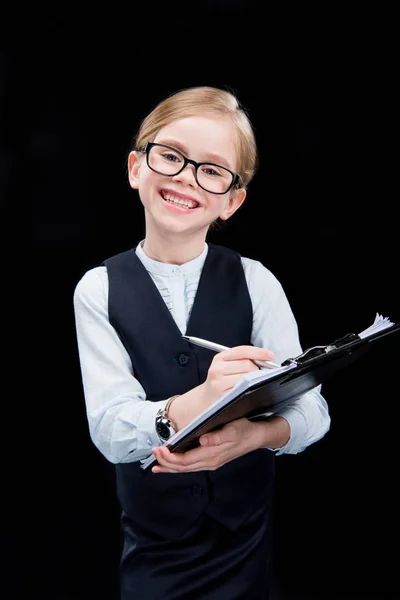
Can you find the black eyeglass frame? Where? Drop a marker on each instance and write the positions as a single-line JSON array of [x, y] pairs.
[[188, 161]]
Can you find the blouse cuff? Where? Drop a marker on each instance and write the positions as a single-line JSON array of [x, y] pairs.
[[147, 437], [298, 431]]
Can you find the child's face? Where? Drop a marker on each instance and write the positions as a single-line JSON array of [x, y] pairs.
[[202, 139]]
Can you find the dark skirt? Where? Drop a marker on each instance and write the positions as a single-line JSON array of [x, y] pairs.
[[209, 562]]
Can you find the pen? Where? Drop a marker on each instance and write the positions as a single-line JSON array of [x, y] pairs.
[[263, 364]]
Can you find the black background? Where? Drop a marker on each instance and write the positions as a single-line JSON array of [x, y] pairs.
[[321, 213]]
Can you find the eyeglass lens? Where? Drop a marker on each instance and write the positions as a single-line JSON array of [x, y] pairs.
[[168, 161]]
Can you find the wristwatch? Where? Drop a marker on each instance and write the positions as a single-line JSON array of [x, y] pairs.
[[164, 426]]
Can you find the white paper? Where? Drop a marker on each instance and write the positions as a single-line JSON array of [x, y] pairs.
[[379, 324]]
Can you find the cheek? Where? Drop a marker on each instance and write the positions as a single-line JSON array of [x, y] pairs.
[[149, 184], [149, 178]]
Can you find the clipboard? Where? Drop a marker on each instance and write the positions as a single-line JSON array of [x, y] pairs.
[[263, 398]]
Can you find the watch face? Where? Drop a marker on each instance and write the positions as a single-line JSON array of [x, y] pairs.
[[163, 430]]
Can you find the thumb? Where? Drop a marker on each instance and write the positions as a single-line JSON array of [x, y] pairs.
[[210, 439]]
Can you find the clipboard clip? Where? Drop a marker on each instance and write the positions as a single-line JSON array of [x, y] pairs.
[[315, 351]]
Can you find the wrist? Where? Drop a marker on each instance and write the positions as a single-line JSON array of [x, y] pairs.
[[187, 407], [273, 433]]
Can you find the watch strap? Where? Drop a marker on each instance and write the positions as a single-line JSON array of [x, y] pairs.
[[164, 426], [168, 404]]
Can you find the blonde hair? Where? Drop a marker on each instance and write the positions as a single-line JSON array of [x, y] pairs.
[[206, 100]]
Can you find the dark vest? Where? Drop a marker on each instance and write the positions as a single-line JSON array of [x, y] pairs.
[[165, 364]]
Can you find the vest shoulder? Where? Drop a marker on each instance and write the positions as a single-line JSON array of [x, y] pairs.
[[120, 257], [219, 248], [223, 251]]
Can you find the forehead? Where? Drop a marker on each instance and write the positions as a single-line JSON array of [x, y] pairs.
[[199, 135]]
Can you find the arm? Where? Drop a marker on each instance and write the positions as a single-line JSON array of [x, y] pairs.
[[275, 327], [121, 421]]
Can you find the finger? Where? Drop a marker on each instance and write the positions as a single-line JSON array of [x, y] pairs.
[[171, 460], [228, 381], [211, 439], [231, 433], [197, 459], [232, 366], [190, 458], [217, 438], [160, 469], [249, 352], [165, 462]]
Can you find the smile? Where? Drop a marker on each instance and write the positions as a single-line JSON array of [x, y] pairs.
[[184, 203]]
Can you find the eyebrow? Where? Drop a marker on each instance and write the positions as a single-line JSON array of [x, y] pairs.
[[212, 158]]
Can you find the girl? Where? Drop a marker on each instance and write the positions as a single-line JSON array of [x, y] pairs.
[[198, 525]]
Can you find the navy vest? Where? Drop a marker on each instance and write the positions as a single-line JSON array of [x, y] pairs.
[[168, 504]]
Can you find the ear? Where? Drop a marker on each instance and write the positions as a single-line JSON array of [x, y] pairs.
[[134, 161], [234, 202]]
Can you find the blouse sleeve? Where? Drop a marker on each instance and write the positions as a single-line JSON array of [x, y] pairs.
[[121, 420], [275, 328]]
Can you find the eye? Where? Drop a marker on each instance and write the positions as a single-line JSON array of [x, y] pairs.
[[211, 171], [171, 157]]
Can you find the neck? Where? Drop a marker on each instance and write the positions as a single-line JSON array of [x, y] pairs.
[[173, 249]]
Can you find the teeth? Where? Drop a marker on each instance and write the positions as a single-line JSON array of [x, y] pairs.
[[179, 202]]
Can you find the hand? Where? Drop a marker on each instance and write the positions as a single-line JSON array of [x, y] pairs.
[[228, 366], [225, 371], [216, 448]]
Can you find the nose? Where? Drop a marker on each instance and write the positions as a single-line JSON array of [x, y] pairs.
[[188, 175]]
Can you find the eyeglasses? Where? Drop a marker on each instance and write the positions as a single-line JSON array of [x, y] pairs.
[[165, 160]]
